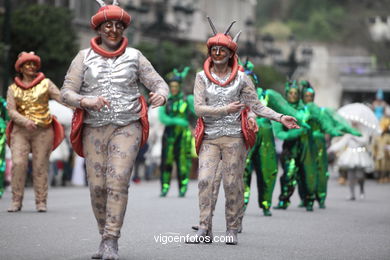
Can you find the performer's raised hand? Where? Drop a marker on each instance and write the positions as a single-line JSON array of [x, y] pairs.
[[289, 122], [156, 99]]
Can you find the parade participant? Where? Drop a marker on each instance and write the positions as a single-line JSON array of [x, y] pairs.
[[221, 92], [321, 122], [31, 129], [262, 156], [102, 82], [177, 137], [3, 124], [298, 155], [380, 106], [354, 158], [381, 151], [321, 158]]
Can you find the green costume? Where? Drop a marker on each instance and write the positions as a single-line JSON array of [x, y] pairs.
[[322, 121], [262, 156], [3, 124], [177, 138], [298, 155]]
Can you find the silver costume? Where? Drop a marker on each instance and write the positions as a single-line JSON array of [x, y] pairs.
[[211, 101], [116, 79]]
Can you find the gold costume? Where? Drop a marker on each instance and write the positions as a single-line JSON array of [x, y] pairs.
[[33, 103], [24, 105]]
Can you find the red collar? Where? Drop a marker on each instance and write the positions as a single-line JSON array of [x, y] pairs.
[[33, 83], [207, 66], [108, 54]]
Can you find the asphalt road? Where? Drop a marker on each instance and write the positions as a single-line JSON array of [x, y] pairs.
[[345, 230]]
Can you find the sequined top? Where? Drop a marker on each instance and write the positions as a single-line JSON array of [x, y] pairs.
[[212, 100], [116, 79], [33, 103]]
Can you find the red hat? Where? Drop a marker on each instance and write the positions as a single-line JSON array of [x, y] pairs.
[[27, 56], [223, 39], [110, 12]]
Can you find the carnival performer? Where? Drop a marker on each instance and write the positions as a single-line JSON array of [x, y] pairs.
[[31, 129], [221, 92], [381, 151], [177, 137], [354, 158], [3, 124], [380, 106], [322, 122], [262, 156], [299, 152], [102, 82]]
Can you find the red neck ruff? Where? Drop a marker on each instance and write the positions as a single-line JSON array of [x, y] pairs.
[[108, 54], [207, 69], [36, 81]]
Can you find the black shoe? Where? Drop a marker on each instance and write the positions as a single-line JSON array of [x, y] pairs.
[[267, 212], [202, 235], [322, 204], [231, 237], [163, 193], [195, 227], [282, 205], [309, 206]]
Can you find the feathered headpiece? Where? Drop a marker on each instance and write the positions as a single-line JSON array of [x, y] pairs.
[[307, 87], [176, 75], [290, 85]]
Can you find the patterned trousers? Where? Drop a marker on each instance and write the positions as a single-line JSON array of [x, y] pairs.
[[39, 142], [110, 152], [232, 154]]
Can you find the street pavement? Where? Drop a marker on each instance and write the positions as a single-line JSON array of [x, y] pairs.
[[344, 230]]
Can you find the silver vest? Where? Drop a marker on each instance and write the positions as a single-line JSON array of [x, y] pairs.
[[116, 79], [217, 96]]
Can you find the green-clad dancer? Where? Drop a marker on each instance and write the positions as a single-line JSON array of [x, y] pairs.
[[262, 157], [320, 128], [177, 137], [3, 124], [297, 158]]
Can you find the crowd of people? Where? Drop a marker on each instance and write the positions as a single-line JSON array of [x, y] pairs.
[[227, 127]]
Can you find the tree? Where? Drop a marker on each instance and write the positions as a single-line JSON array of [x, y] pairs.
[[169, 55], [47, 31], [269, 77]]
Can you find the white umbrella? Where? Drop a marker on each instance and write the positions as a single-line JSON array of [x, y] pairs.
[[361, 114]]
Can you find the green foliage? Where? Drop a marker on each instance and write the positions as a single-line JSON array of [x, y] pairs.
[[48, 32], [308, 19], [168, 55], [270, 77]]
